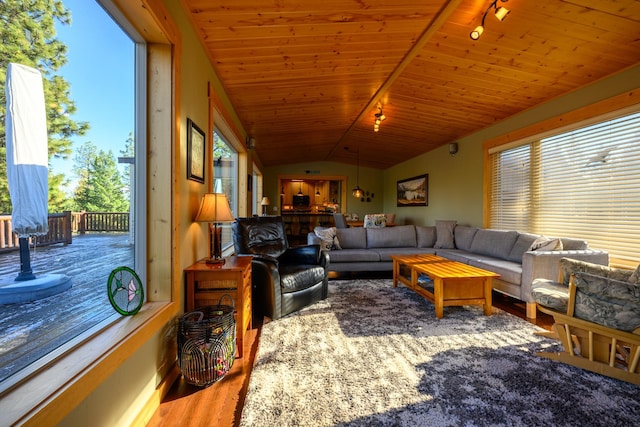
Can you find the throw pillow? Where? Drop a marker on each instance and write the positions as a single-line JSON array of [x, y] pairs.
[[444, 234], [328, 238], [543, 243], [375, 220]]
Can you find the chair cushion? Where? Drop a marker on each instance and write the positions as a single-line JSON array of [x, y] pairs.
[[259, 235], [568, 266], [375, 221], [607, 302], [550, 294], [296, 277]]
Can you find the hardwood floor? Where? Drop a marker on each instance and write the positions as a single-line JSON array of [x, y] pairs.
[[221, 404]]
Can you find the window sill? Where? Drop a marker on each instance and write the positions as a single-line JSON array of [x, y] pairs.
[[49, 394]]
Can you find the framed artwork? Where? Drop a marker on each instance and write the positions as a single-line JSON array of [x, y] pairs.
[[413, 191], [196, 148]]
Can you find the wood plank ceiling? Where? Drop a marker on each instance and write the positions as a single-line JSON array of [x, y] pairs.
[[306, 76]]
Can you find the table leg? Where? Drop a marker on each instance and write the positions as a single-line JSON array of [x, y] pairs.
[[488, 287], [396, 270], [438, 296]]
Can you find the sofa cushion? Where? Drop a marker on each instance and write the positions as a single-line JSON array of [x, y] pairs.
[[426, 236], [495, 243], [444, 234], [522, 245], [352, 238], [607, 302], [392, 237], [550, 294], [463, 236], [385, 253], [462, 256], [353, 255], [509, 271]]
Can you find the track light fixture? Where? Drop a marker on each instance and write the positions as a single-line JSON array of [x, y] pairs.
[[379, 119], [499, 12]]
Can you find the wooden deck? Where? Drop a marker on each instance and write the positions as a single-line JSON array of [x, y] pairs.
[[30, 330]]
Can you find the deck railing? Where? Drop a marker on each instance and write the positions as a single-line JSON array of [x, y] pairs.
[[62, 225]]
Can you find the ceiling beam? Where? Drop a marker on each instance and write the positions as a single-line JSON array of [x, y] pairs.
[[438, 21]]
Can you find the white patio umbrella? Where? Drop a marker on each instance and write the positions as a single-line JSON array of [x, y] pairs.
[[27, 158], [27, 172]]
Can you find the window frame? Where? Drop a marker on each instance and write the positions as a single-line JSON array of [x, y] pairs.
[[66, 380]]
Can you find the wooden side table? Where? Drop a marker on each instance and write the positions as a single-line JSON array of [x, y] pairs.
[[206, 283]]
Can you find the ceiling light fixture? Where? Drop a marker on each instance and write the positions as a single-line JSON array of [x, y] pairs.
[[357, 192], [499, 12], [379, 119]]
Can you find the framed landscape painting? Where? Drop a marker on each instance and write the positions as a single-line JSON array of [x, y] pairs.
[[195, 152], [413, 191]]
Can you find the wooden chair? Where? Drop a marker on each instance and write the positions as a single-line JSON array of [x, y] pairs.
[[606, 350]]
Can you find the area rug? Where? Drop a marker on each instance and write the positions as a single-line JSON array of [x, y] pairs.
[[372, 355]]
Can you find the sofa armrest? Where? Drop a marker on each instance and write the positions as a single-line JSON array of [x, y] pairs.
[[313, 239], [546, 265]]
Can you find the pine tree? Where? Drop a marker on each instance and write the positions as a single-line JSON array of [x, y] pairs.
[[101, 187], [28, 36]]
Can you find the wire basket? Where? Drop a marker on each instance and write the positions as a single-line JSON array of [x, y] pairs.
[[207, 343]]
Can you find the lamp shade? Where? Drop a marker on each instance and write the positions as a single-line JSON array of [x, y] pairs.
[[214, 207], [265, 201]]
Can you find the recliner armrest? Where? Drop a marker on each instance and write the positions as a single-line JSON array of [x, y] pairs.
[[266, 258], [309, 254]]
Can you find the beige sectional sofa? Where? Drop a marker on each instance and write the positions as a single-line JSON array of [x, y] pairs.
[[505, 252]]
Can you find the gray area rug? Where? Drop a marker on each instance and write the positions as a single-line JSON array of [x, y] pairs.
[[372, 355]]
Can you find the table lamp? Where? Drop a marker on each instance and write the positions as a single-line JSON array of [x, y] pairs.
[[264, 203], [214, 208]]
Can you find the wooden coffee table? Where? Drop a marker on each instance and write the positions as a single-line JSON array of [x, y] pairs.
[[454, 283], [400, 261]]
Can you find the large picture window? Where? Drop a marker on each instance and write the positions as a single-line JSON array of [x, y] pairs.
[[37, 331], [583, 183], [225, 176]]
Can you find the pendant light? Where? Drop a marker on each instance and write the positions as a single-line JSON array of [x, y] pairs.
[[300, 191], [357, 191]]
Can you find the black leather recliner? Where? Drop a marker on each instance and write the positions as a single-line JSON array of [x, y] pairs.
[[284, 279]]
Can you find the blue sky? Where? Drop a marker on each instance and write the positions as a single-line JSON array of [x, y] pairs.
[[100, 70]]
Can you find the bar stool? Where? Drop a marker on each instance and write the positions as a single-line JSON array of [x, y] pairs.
[[305, 226]]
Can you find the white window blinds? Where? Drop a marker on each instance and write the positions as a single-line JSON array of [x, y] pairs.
[[584, 184]]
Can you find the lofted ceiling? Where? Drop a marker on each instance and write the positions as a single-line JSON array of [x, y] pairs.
[[306, 76]]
